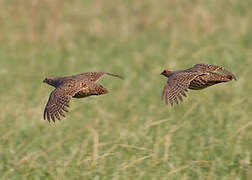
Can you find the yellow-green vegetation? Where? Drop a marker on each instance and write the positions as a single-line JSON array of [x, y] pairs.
[[129, 133]]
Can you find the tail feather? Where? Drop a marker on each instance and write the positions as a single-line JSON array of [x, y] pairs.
[[98, 89], [230, 77]]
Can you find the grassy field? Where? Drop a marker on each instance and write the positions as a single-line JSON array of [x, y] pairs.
[[129, 133]]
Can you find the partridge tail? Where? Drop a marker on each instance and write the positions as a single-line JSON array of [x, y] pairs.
[[98, 89], [230, 77], [221, 79]]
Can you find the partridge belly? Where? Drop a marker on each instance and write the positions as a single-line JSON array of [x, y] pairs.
[[201, 82]]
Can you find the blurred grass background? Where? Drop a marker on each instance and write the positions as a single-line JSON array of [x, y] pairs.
[[129, 133]]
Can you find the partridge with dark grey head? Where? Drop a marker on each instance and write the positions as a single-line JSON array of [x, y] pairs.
[[77, 86]]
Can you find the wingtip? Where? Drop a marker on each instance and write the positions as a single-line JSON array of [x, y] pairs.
[[115, 75], [120, 77]]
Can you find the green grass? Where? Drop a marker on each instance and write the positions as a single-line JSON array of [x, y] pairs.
[[129, 133]]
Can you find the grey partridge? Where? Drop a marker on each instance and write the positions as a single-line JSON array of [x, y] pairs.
[[198, 77], [77, 86]]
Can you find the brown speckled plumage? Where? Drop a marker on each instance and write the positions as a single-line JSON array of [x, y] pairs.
[[77, 86], [198, 77]]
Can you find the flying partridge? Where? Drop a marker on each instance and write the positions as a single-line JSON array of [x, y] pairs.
[[77, 86], [198, 77]]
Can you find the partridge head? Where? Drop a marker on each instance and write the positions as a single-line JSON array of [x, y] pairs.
[[166, 72]]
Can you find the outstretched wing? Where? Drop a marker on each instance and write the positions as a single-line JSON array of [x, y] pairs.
[[95, 76], [207, 67], [59, 99], [213, 68], [177, 85]]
